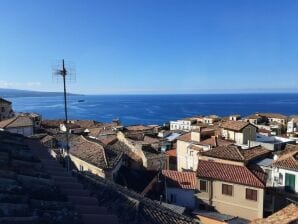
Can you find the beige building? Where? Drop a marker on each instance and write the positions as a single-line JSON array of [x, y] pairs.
[[239, 131], [5, 109], [230, 189], [191, 144]]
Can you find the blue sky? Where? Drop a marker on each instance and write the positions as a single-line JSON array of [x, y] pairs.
[[151, 46]]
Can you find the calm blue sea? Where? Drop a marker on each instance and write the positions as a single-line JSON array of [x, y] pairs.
[[157, 109]]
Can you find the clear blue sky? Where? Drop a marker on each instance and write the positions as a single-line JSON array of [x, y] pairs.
[[151, 46]]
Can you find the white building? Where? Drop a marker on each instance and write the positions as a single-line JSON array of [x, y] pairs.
[[184, 125], [285, 169]]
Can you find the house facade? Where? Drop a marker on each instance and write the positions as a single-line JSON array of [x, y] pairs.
[[230, 189], [239, 131]]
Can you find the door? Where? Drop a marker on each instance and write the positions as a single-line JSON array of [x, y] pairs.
[[290, 182]]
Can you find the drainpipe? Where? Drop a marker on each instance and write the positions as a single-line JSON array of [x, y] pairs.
[[211, 193]]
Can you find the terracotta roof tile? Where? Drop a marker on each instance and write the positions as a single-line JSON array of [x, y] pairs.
[[185, 137], [235, 125], [18, 121], [288, 159], [235, 153], [286, 215], [184, 180], [228, 173], [90, 152], [216, 142]]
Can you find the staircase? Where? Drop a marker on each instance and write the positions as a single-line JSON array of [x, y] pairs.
[[80, 198]]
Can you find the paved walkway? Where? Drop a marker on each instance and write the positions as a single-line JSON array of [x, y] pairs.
[[84, 204]]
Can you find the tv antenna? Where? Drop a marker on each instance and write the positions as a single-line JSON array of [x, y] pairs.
[[67, 74]]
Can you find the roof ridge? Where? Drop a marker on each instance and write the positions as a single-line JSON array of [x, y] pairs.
[[241, 155], [256, 177]]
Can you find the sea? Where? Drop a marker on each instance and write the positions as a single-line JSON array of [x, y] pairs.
[[156, 109]]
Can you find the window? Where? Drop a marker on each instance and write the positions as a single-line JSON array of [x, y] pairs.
[[3, 109], [280, 179], [203, 185], [227, 189], [251, 194], [81, 168]]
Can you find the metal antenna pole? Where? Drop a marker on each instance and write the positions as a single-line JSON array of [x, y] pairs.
[[64, 73]]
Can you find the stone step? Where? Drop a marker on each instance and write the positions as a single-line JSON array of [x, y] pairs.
[[55, 169], [87, 209], [72, 186], [60, 174], [98, 219], [83, 200], [73, 192], [66, 179]]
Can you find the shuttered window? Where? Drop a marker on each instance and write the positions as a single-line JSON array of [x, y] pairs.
[[251, 194], [227, 189]]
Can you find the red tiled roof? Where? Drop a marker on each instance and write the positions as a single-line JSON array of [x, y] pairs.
[[184, 180], [235, 125], [286, 215], [228, 173], [288, 158], [235, 153], [273, 115], [216, 142]]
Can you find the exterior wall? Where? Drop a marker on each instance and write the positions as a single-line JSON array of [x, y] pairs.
[[157, 163], [6, 111], [235, 205], [276, 174], [187, 159], [84, 166], [26, 131], [248, 133], [184, 197]]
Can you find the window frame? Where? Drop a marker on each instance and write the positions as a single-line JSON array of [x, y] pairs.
[[225, 191], [206, 185], [250, 196]]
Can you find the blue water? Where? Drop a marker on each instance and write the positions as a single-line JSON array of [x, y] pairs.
[[157, 109]]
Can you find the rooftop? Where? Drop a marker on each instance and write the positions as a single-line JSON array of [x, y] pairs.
[[235, 153], [287, 215], [183, 180], [18, 121], [288, 159], [230, 173], [235, 125]]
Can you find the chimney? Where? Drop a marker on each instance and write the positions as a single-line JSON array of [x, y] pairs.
[[214, 138]]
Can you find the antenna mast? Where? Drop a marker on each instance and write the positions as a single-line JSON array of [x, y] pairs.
[[65, 73]]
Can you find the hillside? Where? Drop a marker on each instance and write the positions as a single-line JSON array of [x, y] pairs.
[[12, 93]]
